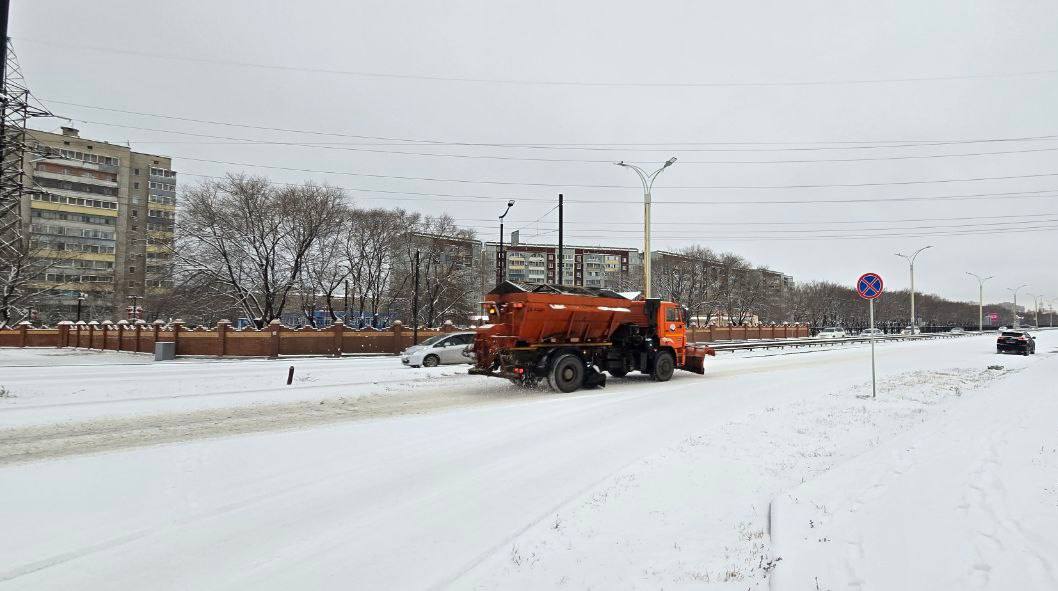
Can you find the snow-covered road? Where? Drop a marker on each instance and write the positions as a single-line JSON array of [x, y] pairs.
[[637, 485]]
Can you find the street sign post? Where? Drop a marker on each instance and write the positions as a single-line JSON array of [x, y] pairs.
[[870, 286]]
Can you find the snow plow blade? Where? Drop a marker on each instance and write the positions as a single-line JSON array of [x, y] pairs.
[[694, 362]]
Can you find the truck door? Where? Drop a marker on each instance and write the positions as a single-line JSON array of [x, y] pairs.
[[672, 329]]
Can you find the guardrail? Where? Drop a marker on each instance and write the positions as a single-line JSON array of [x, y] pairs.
[[815, 341]]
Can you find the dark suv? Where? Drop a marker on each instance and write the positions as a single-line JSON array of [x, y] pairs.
[[1016, 341]]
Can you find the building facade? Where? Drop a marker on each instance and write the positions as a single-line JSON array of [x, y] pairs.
[[100, 224], [585, 266]]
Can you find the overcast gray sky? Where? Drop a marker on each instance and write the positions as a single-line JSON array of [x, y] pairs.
[[735, 90]]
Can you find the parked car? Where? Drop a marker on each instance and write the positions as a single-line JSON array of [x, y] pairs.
[[909, 330], [832, 332], [1016, 341], [957, 330], [872, 332], [440, 349]]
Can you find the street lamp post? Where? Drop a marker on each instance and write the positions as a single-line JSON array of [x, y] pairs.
[[1014, 291], [502, 271], [911, 261], [648, 183], [980, 300], [81, 297], [132, 311]]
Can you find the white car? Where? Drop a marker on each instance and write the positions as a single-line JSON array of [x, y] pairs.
[[440, 349], [832, 332], [872, 332], [909, 330], [957, 330]]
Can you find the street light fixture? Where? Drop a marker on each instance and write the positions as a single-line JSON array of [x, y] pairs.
[[502, 271], [134, 309], [81, 297], [1014, 291], [648, 183], [911, 262], [980, 300], [1035, 307]]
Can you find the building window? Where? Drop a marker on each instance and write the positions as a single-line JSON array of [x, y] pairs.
[[136, 172], [136, 185], [132, 269]]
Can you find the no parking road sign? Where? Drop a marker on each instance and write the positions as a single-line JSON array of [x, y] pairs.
[[869, 286]]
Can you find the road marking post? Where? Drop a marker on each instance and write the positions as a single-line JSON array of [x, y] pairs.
[[870, 286]]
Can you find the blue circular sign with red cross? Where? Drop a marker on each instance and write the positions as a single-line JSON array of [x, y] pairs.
[[869, 286]]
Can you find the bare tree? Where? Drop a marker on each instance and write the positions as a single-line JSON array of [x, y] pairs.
[[30, 272], [375, 240], [447, 276], [251, 238]]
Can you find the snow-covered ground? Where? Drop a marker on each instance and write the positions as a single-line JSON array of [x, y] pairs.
[[218, 476]]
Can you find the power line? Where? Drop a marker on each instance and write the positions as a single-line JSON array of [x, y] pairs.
[[859, 231], [721, 238], [1043, 193], [532, 82], [603, 186], [662, 146], [1024, 217]]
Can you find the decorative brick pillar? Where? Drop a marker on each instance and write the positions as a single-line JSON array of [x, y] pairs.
[[92, 333], [23, 328], [122, 328], [223, 326], [64, 334], [274, 327], [339, 331], [139, 335], [398, 337], [107, 325], [178, 325]]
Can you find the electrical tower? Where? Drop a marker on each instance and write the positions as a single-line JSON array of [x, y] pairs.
[[15, 111]]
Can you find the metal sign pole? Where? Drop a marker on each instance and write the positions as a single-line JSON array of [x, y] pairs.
[[874, 387]]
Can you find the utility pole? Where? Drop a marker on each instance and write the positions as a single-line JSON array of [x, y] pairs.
[[501, 264], [415, 305], [345, 302], [648, 183], [980, 300], [561, 252], [1017, 321], [81, 297], [911, 261]]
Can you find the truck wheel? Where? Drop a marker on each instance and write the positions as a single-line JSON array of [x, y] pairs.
[[431, 361], [567, 374], [664, 364]]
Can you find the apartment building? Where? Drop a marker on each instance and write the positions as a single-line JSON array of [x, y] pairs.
[[586, 266], [100, 222]]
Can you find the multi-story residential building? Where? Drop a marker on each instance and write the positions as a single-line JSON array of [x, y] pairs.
[[586, 266], [100, 220]]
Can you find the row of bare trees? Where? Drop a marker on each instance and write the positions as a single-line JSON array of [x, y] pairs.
[[250, 248], [822, 303], [719, 288], [725, 288]]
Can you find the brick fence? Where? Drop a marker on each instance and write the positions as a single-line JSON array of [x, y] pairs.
[[277, 340]]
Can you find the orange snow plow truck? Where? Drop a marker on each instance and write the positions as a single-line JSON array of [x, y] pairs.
[[567, 336]]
